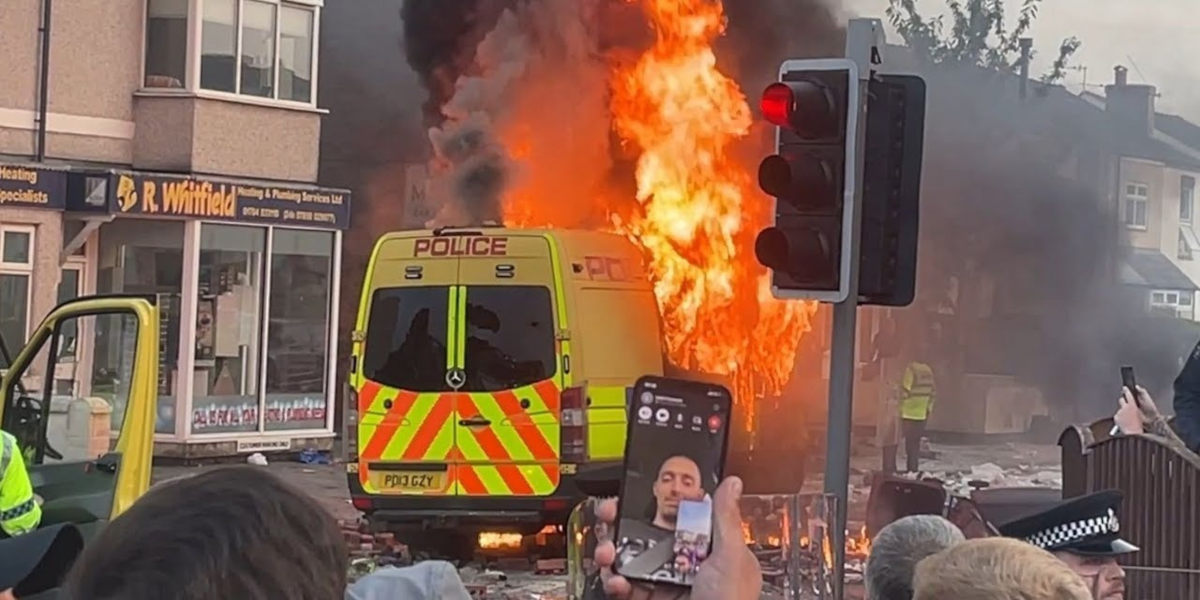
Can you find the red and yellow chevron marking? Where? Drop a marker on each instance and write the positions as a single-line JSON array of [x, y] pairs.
[[517, 455]]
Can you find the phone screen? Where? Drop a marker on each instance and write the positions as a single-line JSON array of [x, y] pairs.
[[674, 458], [1128, 380]]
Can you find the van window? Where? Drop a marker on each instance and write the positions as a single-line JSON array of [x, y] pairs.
[[510, 337], [406, 338]]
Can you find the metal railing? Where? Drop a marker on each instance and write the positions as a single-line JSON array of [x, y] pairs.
[[1161, 511]]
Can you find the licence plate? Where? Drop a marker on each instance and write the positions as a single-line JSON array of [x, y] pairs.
[[408, 481]]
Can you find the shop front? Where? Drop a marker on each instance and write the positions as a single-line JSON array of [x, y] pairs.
[[32, 199], [245, 275]]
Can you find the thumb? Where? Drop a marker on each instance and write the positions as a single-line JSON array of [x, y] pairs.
[[727, 515]]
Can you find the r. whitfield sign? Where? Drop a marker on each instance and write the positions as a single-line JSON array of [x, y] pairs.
[[192, 197], [32, 187]]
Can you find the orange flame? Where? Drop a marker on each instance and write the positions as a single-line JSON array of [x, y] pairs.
[[697, 211], [685, 115]]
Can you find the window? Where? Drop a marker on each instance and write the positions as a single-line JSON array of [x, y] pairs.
[[228, 324], [138, 256], [1136, 195], [218, 46], [406, 338], [295, 53], [258, 48], [166, 43], [261, 48], [111, 338], [1177, 303], [16, 283], [298, 329], [510, 337], [1187, 198]]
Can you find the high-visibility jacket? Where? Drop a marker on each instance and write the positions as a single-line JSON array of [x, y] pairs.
[[916, 392], [19, 511]]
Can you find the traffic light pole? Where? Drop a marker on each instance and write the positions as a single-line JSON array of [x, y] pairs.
[[863, 44]]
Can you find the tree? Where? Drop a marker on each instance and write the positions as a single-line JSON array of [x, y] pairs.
[[978, 35]]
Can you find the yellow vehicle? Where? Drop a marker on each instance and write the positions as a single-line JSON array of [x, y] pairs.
[[490, 372], [80, 398]]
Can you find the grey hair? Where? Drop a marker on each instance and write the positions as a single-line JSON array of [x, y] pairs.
[[898, 548]]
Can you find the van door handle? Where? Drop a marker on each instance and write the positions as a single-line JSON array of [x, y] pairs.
[[474, 422]]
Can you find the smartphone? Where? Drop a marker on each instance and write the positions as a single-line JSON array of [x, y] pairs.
[[1129, 381], [674, 459]]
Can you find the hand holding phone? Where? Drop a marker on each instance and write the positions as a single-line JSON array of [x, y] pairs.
[[1129, 381], [674, 458]]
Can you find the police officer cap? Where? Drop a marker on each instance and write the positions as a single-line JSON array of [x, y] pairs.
[[37, 561], [1086, 525]]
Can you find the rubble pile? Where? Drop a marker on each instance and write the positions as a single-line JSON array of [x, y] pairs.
[[960, 481]]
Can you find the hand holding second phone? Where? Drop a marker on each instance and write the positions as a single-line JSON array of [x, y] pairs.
[[730, 573]]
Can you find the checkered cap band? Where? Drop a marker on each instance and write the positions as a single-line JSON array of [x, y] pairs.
[[1077, 531]]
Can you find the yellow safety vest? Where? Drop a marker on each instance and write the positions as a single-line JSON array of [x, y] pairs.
[[917, 391], [19, 511]]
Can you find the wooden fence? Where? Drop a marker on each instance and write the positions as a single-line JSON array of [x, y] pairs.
[[1161, 510]]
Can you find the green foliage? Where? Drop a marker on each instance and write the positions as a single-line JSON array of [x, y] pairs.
[[977, 34]]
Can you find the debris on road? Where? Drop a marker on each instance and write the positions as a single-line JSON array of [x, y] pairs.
[[257, 459]]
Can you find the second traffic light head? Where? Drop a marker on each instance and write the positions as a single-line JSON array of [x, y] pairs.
[[804, 179]]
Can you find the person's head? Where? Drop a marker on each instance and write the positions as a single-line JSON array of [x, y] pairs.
[[1084, 533], [996, 569], [678, 479], [236, 532], [898, 548], [1101, 573]]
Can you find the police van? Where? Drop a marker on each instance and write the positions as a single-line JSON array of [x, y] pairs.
[[489, 374]]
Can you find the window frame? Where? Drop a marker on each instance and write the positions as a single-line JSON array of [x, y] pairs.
[[20, 269], [191, 85], [1132, 196]]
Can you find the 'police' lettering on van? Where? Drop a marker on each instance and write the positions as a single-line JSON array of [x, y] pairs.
[[461, 246]]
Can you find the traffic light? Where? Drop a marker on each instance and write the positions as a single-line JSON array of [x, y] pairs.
[[891, 188], [815, 104]]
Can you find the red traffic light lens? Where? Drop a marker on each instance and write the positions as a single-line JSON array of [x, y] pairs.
[[777, 104]]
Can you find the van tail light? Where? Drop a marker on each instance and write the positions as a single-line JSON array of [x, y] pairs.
[[350, 424], [363, 504], [573, 425]]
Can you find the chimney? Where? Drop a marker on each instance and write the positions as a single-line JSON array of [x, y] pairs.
[[1026, 46], [1131, 106]]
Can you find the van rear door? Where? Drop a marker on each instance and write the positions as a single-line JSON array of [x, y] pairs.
[[405, 405], [508, 411]]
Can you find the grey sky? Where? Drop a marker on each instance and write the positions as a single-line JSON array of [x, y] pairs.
[[1158, 35]]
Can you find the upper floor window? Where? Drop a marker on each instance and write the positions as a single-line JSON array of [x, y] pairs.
[[261, 48], [1187, 197], [1136, 196]]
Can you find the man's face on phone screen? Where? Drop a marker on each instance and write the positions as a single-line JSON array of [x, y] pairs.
[[678, 479]]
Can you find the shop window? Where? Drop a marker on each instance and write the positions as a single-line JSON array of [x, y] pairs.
[[228, 321], [16, 287], [298, 329], [166, 43], [144, 257]]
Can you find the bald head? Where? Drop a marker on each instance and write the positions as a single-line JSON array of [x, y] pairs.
[[678, 479]]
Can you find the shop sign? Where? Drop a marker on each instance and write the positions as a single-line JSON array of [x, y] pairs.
[[224, 200], [31, 187]]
